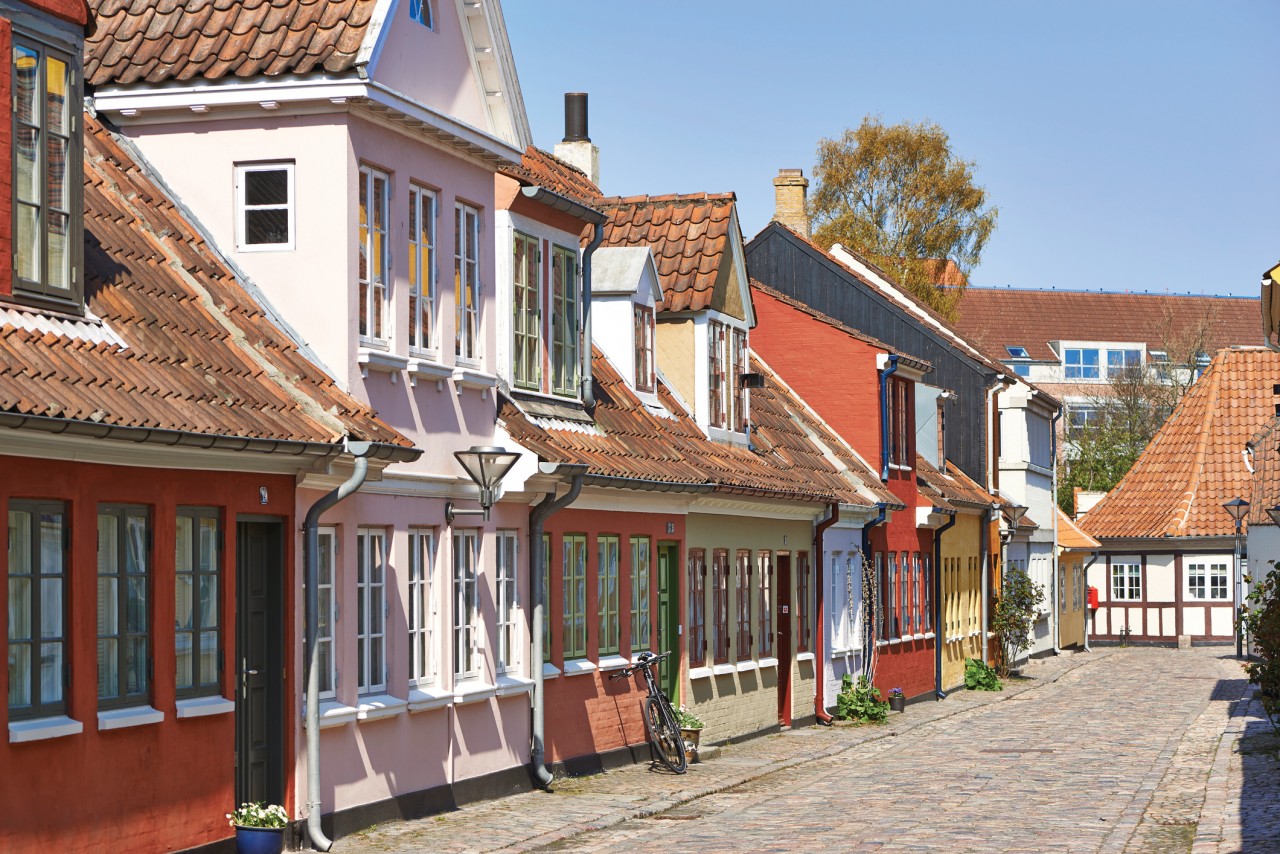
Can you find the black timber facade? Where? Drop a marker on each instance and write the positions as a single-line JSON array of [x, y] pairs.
[[778, 258]]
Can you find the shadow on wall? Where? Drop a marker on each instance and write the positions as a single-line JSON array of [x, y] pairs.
[[1260, 783]]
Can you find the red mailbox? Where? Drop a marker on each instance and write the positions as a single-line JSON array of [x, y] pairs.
[[1093, 597]]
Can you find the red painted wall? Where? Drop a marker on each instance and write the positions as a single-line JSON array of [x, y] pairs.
[[589, 713], [147, 788], [6, 157]]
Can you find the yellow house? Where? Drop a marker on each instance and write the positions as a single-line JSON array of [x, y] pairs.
[[1075, 547]]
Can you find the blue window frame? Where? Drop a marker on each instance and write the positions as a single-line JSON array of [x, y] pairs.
[[420, 11], [1016, 352]]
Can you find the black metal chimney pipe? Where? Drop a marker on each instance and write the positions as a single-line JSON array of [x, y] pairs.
[[575, 117]]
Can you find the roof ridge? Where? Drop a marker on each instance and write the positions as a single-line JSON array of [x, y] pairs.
[[1007, 289], [666, 199]]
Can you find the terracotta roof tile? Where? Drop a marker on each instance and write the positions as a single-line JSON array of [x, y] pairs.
[[183, 346], [688, 235], [1195, 462], [954, 486], [156, 42], [628, 441], [1072, 536], [1266, 474], [999, 317], [544, 169]]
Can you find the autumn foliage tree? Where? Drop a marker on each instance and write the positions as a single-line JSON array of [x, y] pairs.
[[899, 196]]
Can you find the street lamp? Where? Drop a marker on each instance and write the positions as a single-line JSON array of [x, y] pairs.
[[1274, 513], [487, 466], [1238, 508]]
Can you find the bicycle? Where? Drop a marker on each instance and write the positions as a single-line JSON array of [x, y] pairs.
[[660, 719]]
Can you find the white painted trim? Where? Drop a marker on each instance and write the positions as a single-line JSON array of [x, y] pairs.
[[796, 511], [768, 662], [464, 377], [422, 366], [511, 685], [132, 716], [804, 656], [204, 706], [578, 666], [550, 671], [375, 706], [425, 699], [699, 673], [723, 669], [744, 666], [473, 692], [39, 729], [369, 358], [613, 662], [333, 714]]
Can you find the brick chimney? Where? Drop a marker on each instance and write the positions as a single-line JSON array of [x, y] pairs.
[[577, 149], [789, 191]]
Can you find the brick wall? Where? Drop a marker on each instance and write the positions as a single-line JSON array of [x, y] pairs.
[[6, 157]]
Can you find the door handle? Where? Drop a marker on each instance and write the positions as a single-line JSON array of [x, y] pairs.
[[250, 673]]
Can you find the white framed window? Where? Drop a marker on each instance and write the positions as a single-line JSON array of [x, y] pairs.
[[565, 321], [508, 603], [466, 280], [737, 417], [264, 206], [1207, 581], [1077, 587], [420, 12], [526, 299], [893, 624], [375, 260], [838, 601], [422, 267], [643, 339], [326, 565], [1081, 364], [422, 609], [716, 374], [371, 610], [639, 593], [1126, 581], [466, 604], [1119, 360], [574, 583]]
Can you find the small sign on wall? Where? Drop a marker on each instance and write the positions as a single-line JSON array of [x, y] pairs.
[[671, 527]]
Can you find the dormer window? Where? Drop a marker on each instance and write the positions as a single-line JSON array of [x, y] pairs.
[[644, 348], [47, 217], [564, 321], [726, 362]]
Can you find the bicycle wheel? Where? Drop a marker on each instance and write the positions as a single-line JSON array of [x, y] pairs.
[[665, 735]]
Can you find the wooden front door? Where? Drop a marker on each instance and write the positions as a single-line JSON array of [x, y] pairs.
[[259, 662], [782, 577], [669, 617]]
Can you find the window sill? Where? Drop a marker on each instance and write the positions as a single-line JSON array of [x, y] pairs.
[[768, 662], [723, 669], [376, 706], [479, 380], [130, 717], [473, 692], [333, 714], [613, 662], [892, 641], [744, 666], [39, 729], [512, 685], [426, 699], [804, 656], [928, 636], [699, 673], [204, 706], [550, 671], [422, 368], [578, 666], [377, 360]]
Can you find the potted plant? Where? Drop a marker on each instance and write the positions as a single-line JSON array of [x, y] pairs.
[[897, 700], [259, 828], [690, 730]]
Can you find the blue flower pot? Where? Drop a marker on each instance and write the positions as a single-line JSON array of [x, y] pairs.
[[259, 840]]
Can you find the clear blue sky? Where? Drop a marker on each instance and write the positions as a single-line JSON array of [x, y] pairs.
[[1128, 145]]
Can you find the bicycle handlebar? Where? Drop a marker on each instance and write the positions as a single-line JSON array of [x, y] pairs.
[[644, 662]]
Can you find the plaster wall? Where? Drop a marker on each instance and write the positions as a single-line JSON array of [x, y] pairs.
[[842, 589], [674, 343], [961, 566]]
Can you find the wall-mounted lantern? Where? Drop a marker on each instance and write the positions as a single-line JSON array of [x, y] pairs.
[[487, 466]]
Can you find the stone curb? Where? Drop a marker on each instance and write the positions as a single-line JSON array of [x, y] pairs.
[[661, 806], [1218, 787]]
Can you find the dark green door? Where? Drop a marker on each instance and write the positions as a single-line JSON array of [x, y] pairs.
[[259, 661], [669, 616]]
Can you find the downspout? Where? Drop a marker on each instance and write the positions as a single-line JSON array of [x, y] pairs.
[[1053, 461], [869, 648], [884, 416], [939, 630], [820, 637], [538, 516], [986, 578], [1093, 558], [588, 395], [311, 608]]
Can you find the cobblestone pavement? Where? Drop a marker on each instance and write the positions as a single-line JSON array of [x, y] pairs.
[[1109, 751]]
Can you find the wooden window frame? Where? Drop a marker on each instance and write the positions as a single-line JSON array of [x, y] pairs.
[[720, 604], [422, 608], [767, 575], [243, 207], [566, 322], [1125, 574], [200, 684], [804, 614], [327, 558], [420, 12], [374, 247], [737, 417], [466, 603], [641, 601], [643, 332], [423, 212], [372, 609], [717, 415], [509, 620], [742, 576], [574, 580], [608, 598], [697, 581], [39, 635], [122, 697], [466, 282], [526, 301]]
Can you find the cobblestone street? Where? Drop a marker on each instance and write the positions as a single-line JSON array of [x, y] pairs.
[[1113, 750]]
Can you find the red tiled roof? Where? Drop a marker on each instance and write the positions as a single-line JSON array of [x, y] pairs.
[[544, 169], [200, 355], [688, 235], [1072, 536], [1000, 317], [1195, 462], [954, 486], [159, 40], [627, 441]]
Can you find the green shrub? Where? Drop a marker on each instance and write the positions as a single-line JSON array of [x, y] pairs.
[[980, 677], [1015, 615], [1260, 618], [687, 720], [860, 702]]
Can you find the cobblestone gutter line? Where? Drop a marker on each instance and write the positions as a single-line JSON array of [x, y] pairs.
[[1242, 814], [606, 800]]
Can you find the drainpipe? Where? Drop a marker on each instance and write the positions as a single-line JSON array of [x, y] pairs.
[[1084, 571], [1053, 461], [884, 416], [820, 637], [538, 516], [311, 608], [939, 630], [986, 576], [869, 648], [588, 395]]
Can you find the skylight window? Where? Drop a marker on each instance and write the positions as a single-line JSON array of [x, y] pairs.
[[1017, 352]]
